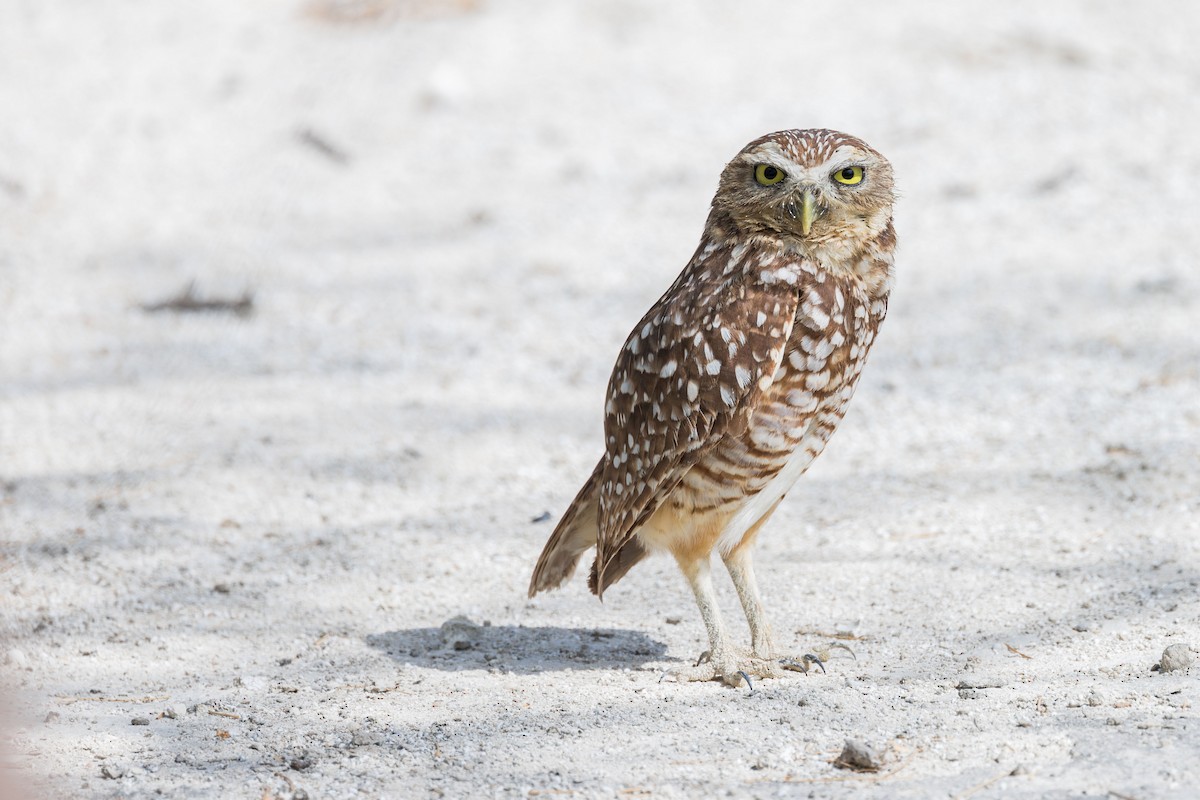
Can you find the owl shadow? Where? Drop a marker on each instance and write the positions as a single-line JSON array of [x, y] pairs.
[[461, 645]]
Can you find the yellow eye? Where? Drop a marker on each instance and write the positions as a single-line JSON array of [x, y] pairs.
[[849, 175], [768, 175]]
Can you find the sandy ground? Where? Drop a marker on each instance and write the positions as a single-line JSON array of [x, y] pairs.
[[229, 542]]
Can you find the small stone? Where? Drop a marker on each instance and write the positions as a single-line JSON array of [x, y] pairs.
[[1175, 658], [986, 682], [139, 721], [460, 633], [1083, 626], [53, 716], [16, 659], [112, 771], [300, 762], [221, 588], [364, 737], [170, 713], [1094, 698], [674, 620], [1020, 769], [859, 756]]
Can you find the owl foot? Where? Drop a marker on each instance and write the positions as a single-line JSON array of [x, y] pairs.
[[732, 667]]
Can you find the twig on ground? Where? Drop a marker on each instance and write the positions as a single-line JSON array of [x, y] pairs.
[[320, 144], [979, 787], [1012, 649], [843, 635], [188, 301], [291, 786], [68, 700]]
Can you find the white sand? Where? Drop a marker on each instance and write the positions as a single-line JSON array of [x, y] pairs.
[[261, 522]]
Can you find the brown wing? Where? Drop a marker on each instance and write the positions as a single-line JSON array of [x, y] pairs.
[[689, 374]]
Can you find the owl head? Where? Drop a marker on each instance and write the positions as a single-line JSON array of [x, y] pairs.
[[815, 187]]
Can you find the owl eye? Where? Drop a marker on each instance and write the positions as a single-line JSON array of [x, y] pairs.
[[849, 175], [768, 175]]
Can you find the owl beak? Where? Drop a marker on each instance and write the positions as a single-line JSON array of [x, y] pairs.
[[808, 211]]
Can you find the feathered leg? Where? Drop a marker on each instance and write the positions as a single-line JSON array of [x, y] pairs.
[[740, 563], [722, 662], [741, 571]]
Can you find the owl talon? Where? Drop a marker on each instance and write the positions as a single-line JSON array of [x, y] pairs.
[[802, 664], [704, 658], [841, 646]]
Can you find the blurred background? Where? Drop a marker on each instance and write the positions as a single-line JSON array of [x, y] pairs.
[[307, 307]]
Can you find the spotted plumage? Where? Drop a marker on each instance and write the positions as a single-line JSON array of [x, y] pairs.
[[733, 382]]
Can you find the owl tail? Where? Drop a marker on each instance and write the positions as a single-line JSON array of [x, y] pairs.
[[621, 562], [574, 534]]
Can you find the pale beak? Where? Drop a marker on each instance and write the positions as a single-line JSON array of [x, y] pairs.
[[808, 211]]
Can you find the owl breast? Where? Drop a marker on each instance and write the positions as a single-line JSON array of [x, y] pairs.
[[748, 472]]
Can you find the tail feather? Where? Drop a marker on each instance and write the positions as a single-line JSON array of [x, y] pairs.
[[630, 553], [574, 534]]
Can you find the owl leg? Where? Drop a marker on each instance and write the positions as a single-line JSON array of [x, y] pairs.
[[699, 577], [722, 661], [739, 564], [739, 561], [741, 571]]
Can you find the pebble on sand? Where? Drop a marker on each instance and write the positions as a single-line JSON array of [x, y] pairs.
[[1176, 657], [859, 756], [112, 771], [460, 633]]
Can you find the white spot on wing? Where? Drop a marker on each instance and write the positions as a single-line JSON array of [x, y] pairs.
[[817, 380]]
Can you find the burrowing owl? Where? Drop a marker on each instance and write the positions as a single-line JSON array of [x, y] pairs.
[[733, 382]]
